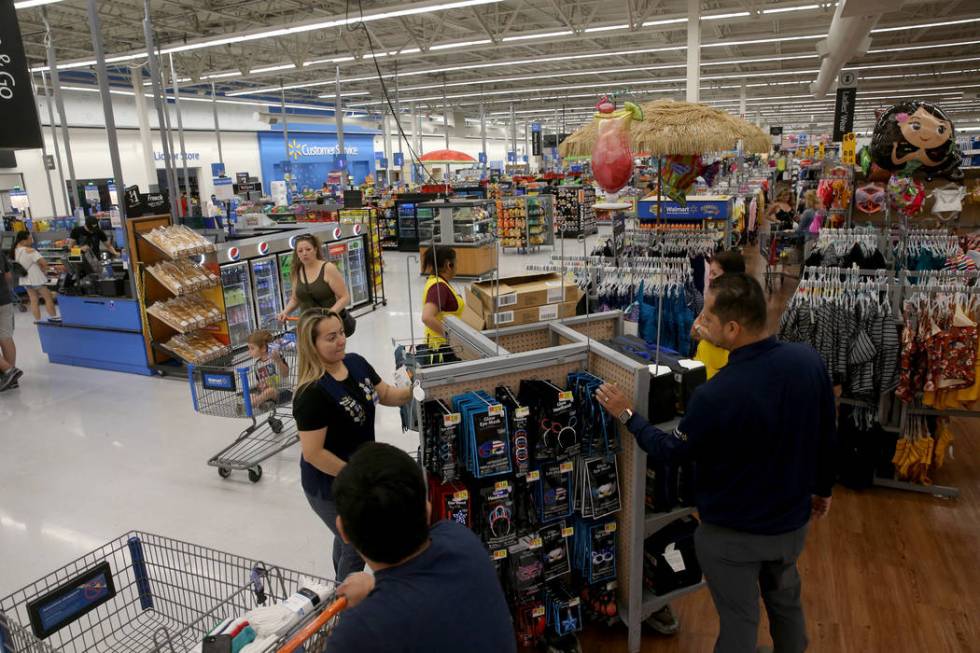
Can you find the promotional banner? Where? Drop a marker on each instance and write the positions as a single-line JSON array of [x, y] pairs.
[[844, 113], [19, 126]]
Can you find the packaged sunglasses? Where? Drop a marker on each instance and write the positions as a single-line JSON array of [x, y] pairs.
[[518, 423], [554, 497], [496, 512], [599, 433], [439, 454], [564, 609], [597, 487], [554, 550], [594, 550], [484, 441]]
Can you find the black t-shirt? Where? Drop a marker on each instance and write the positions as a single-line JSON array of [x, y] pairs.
[[93, 239], [345, 408], [448, 598]]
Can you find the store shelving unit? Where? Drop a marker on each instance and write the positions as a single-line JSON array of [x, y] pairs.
[[468, 227], [157, 332], [574, 211], [526, 222], [373, 227]]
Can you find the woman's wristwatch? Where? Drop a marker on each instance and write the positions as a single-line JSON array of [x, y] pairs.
[[626, 416]]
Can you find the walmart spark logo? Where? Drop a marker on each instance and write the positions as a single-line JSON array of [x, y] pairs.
[[295, 150]]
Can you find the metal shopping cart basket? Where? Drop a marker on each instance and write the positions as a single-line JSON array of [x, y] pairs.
[[147, 593], [239, 387]]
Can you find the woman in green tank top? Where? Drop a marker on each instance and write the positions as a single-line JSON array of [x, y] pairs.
[[316, 283]]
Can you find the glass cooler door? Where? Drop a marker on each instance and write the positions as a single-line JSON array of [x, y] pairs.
[[359, 285], [238, 302], [265, 280]]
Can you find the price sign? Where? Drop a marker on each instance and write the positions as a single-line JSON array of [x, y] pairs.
[[500, 554], [848, 149], [533, 475], [19, 126], [565, 395], [452, 419], [535, 543], [462, 495], [496, 410], [500, 486], [611, 527], [538, 612], [566, 468], [568, 531]]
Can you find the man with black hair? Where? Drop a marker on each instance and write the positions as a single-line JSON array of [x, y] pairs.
[[433, 589], [713, 356], [89, 236], [761, 434]]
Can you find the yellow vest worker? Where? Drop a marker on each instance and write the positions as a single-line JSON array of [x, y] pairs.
[[439, 298]]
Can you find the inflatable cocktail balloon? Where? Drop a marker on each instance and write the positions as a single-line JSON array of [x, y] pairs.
[[612, 156]]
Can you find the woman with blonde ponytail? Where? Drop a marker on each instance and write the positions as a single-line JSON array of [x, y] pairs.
[[334, 409]]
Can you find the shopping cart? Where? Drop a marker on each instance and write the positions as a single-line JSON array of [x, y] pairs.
[[231, 387], [143, 593]]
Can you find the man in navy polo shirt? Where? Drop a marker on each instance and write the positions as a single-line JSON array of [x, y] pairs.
[[433, 589], [761, 434]]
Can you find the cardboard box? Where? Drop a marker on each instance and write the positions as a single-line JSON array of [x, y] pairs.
[[524, 291], [519, 316]]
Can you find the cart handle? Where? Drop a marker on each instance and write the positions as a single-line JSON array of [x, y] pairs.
[[297, 640]]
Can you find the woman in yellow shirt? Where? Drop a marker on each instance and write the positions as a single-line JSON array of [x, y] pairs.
[[439, 298], [713, 356]]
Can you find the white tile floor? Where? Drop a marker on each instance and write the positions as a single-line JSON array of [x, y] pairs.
[[87, 455]]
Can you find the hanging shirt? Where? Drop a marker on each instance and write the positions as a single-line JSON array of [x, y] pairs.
[[346, 409]]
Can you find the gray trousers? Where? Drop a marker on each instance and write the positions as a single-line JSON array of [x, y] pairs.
[[346, 560], [737, 566]]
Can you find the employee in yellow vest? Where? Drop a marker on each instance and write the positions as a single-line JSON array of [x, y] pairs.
[[713, 356], [439, 298]]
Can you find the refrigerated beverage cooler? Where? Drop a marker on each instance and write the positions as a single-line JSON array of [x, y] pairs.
[[351, 260], [285, 275], [238, 302], [265, 282]]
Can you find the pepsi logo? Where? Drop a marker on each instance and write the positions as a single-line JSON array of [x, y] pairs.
[[337, 233], [357, 229], [263, 248], [233, 253]]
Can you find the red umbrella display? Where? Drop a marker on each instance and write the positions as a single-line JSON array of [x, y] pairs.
[[447, 157]]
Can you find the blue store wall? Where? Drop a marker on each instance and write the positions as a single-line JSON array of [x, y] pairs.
[[313, 153]]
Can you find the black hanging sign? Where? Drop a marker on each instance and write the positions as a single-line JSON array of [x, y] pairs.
[[844, 113], [19, 126]]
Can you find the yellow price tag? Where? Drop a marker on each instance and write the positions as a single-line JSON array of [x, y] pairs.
[[574, 602], [565, 468], [462, 495], [533, 475], [500, 554], [568, 531], [848, 149], [522, 411], [611, 527], [535, 543], [565, 396], [496, 410], [452, 419], [501, 485], [537, 612], [821, 150]]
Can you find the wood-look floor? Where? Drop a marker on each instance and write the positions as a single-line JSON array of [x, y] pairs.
[[887, 571]]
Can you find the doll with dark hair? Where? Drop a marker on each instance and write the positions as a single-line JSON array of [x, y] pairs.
[[917, 135]]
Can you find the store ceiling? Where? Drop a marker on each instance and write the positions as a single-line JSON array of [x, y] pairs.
[[537, 54]]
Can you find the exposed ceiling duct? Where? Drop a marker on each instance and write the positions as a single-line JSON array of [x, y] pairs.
[[848, 38]]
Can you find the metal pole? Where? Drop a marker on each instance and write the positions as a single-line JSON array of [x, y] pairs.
[[445, 118], [398, 130], [513, 134], [217, 126], [693, 50], [60, 103], [172, 169], [57, 147], [158, 101], [414, 142], [338, 112], [557, 134], [483, 138], [527, 144], [386, 139], [180, 130], [285, 131], [146, 141], [110, 120], [44, 149]]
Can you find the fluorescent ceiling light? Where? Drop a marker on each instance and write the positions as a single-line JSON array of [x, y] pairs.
[[899, 28], [734, 14], [233, 73], [928, 46], [269, 69], [546, 35], [782, 10], [27, 4], [322, 61], [664, 21], [605, 28], [461, 44]]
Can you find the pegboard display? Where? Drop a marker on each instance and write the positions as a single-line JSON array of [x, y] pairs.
[[598, 328], [557, 374], [525, 340]]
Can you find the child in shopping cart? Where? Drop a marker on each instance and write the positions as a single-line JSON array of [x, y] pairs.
[[270, 372]]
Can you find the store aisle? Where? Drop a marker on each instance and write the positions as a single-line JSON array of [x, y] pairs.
[[86, 455]]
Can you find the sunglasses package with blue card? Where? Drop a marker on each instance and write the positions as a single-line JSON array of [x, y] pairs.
[[594, 550], [484, 442], [598, 430], [518, 425]]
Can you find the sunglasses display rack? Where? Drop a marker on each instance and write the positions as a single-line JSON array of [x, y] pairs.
[[574, 211], [557, 565]]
